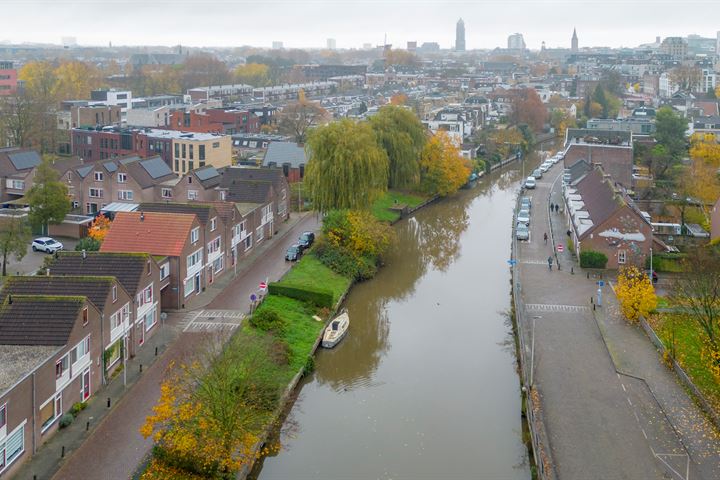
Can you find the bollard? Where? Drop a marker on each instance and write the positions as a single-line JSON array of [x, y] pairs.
[[87, 426], [156, 351], [62, 454], [108, 402], [572, 270], [588, 275], [141, 368], [591, 300], [593, 307]]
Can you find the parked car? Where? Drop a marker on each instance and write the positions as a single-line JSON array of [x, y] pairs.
[[294, 252], [523, 216], [545, 167], [306, 240], [522, 232], [525, 203], [530, 183], [46, 244], [537, 174]]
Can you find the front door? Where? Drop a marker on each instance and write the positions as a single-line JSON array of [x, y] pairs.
[[85, 385], [140, 332], [197, 283], [210, 274]]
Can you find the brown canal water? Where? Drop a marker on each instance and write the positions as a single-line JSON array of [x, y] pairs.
[[425, 385]]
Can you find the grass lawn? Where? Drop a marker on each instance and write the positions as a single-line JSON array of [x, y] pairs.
[[309, 271], [301, 332], [688, 344], [381, 207], [663, 302]]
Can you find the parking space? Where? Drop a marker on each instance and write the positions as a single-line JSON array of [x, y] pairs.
[[32, 261]]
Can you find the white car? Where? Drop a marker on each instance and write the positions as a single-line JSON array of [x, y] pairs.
[[46, 244], [545, 167], [530, 182], [523, 217], [522, 232]]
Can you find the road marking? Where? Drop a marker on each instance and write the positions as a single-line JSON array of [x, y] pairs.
[[214, 320], [623, 386], [541, 307], [666, 455], [534, 262]]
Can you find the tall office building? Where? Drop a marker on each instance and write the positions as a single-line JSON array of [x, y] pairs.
[[574, 42], [717, 45], [516, 42], [331, 45], [277, 45], [460, 36]]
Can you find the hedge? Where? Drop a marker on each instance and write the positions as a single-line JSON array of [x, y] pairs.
[[592, 259], [317, 296]]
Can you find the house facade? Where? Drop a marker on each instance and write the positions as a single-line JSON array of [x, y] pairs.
[[50, 350]]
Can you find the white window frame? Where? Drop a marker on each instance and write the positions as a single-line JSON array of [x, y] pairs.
[[622, 257], [166, 193], [195, 235], [54, 399], [6, 462], [99, 176], [194, 261], [213, 224], [190, 281], [122, 177], [114, 293], [150, 314], [125, 195], [192, 195], [99, 192], [164, 271]]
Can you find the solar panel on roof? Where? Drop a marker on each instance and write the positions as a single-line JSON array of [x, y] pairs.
[[24, 160], [206, 173], [84, 171], [110, 166], [156, 167]]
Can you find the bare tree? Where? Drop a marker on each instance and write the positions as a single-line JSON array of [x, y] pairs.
[[697, 291], [298, 117]]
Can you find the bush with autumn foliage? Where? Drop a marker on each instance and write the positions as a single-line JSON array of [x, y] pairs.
[[99, 228], [353, 243], [635, 293]]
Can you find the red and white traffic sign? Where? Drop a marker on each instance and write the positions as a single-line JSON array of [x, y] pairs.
[[560, 247], [263, 286]]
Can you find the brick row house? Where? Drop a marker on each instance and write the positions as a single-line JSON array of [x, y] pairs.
[[130, 180], [50, 353], [17, 171], [602, 218]]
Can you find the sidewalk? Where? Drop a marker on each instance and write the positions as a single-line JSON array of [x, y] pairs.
[[119, 424]]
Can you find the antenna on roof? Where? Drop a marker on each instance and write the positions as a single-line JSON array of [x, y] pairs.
[[84, 254], [142, 216]]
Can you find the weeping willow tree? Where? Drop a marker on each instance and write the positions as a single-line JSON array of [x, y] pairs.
[[402, 136], [347, 169]]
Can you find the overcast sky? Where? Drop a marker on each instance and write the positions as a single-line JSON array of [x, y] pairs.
[[352, 23]]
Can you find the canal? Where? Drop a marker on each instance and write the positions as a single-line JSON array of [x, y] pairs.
[[425, 383]]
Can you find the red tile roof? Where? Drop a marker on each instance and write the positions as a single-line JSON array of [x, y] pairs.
[[156, 234]]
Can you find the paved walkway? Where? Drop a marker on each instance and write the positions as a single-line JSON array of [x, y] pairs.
[[601, 423], [113, 446]]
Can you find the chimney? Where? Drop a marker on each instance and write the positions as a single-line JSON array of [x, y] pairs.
[[9, 299], [142, 216], [84, 254], [47, 272]]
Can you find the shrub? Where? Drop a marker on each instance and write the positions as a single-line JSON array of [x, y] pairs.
[[77, 408], [636, 294], [268, 320], [346, 264], [316, 296], [592, 259], [66, 420], [88, 244]]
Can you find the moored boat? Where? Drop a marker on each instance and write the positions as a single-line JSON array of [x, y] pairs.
[[336, 330]]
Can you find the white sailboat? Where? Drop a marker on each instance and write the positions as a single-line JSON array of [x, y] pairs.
[[336, 330]]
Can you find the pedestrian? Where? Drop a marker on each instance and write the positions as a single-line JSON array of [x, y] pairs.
[[550, 260], [545, 238], [557, 207], [552, 206], [568, 233]]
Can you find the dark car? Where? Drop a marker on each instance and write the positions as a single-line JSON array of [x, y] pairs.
[[306, 240], [293, 253]]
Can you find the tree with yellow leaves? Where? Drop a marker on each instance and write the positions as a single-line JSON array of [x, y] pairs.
[[99, 228], [209, 413], [255, 74], [442, 170], [635, 293], [76, 79]]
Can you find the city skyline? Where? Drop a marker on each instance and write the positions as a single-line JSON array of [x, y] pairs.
[[349, 23]]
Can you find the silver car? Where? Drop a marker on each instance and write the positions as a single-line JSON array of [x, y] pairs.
[[522, 232], [46, 244], [524, 217]]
